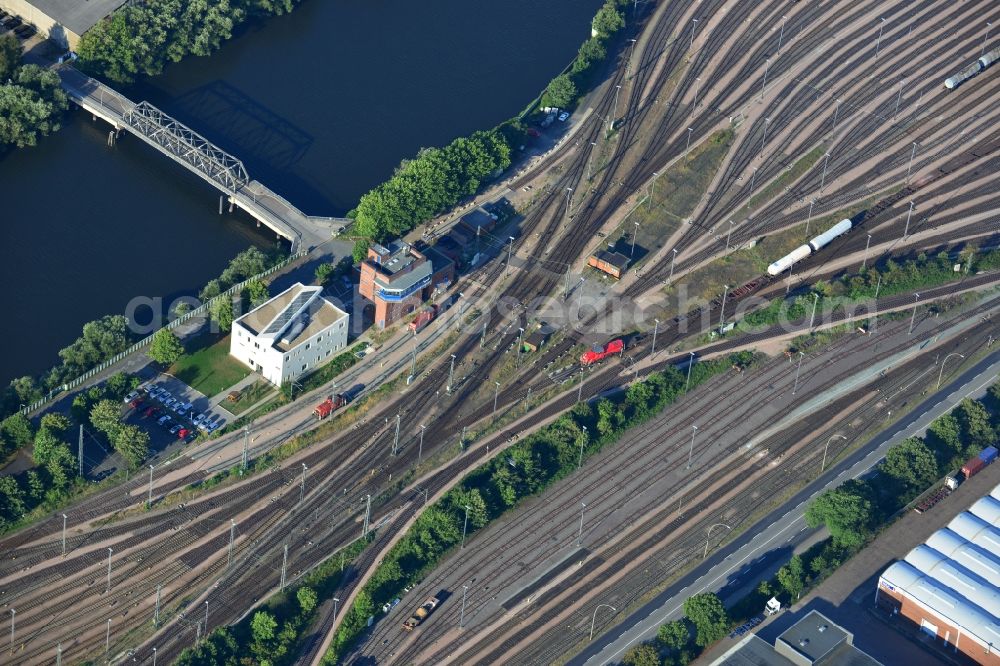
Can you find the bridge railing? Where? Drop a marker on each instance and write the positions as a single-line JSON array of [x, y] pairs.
[[117, 358]]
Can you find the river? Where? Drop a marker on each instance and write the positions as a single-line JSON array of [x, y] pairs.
[[321, 105]]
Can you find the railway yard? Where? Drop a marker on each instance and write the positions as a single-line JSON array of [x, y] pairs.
[[912, 164]]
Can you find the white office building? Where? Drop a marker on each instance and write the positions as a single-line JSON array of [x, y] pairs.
[[289, 335]]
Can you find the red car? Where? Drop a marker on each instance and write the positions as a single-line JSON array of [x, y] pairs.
[[182, 433], [135, 403], [150, 411]]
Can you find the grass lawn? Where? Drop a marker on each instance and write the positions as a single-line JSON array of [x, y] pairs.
[[209, 369], [677, 192], [251, 396]]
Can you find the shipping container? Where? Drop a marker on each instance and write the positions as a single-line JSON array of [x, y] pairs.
[[988, 455], [972, 467]]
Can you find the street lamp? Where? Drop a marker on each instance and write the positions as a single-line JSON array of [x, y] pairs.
[[867, 245], [510, 248], [579, 536], [496, 396], [827, 448], [913, 317], [672, 260], [656, 325], [694, 431], [632, 252], [797, 370], [878, 43], [583, 441], [709, 537], [941, 371], [594, 618], [465, 526]]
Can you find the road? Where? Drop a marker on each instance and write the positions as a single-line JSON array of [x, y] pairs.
[[786, 525]]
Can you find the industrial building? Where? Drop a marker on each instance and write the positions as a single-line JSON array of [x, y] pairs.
[[398, 278], [949, 586], [289, 335], [815, 640], [62, 21]]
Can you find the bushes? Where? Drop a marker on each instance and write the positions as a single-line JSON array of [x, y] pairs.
[[429, 184], [31, 98], [525, 469], [141, 38]]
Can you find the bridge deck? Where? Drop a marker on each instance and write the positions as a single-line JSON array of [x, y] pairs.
[[197, 154]]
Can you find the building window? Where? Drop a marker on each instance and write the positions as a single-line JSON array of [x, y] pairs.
[[304, 365]]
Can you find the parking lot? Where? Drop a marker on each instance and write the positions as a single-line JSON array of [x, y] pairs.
[[21, 30], [171, 411]]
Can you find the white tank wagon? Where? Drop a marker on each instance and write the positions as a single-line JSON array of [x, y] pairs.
[[955, 81], [816, 244], [990, 58]]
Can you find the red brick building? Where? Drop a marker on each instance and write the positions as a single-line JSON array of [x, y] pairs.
[[947, 587], [398, 278]]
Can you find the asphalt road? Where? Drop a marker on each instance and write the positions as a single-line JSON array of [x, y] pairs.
[[785, 526]]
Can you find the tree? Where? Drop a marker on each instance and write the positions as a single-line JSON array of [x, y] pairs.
[[643, 654], [132, 442], [17, 428], [591, 51], [26, 389], [257, 292], [324, 272], [106, 416], [11, 498], [944, 436], [44, 450], [262, 628], [911, 464], [10, 56], [608, 21], [36, 487], [709, 617], [307, 600], [792, 577], [55, 422], [221, 310], [674, 635], [847, 511], [977, 431], [561, 91], [166, 347], [30, 105]]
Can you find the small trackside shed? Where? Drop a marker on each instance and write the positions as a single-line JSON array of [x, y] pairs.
[[612, 263]]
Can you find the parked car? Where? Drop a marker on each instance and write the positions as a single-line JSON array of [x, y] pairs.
[[164, 420], [132, 395], [135, 404], [182, 433], [203, 426], [150, 411], [563, 116], [212, 427], [154, 391], [199, 418], [176, 429]]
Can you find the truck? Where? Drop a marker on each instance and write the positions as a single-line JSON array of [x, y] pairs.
[[330, 405], [599, 353], [421, 613], [424, 317]]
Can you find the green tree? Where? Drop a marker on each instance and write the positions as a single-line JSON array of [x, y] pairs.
[[10, 56], [643, 654], [560, 92], [911, 464], [257, 292], [847, 511], [674, 635], [792, 577], [106, 416], [977, 431], [55, 422], [36, 486], [709, 617], [591, 51], [263, 627], [165, 347], [12, 503], [46, 442], [324, 272], [608, 21], [17, 428], [944, 436], [221, 311], [307, 598], [132, 442], [26, 389]]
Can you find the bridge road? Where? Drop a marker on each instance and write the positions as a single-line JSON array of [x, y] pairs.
[[188, 148]]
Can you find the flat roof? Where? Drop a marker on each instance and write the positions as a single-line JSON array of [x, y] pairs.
[[752, 651], [77, 16], [477, 218], [815, 636], [292, 317]]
